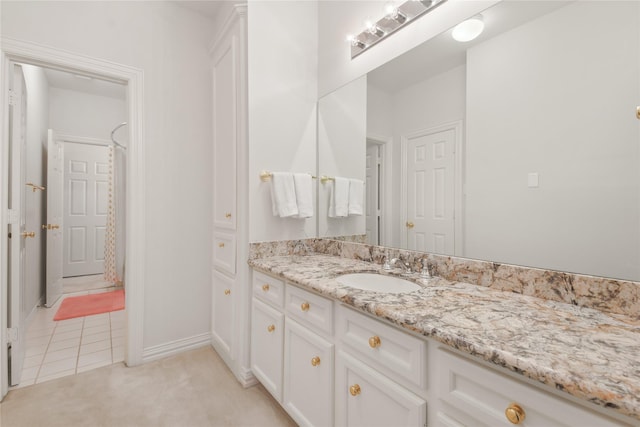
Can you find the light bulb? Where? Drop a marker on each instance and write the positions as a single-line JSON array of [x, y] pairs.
[[469, 29]]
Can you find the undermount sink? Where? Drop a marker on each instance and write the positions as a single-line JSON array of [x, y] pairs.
[[378, 283]]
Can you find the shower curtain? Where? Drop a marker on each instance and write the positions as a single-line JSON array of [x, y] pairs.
[[114, 253]]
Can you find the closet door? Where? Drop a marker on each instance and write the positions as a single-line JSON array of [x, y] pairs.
[[225, 130]]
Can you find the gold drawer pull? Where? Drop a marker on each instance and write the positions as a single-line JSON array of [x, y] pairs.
[[227, 291], [304, 306], [28, 234], [515, 414], [265, 287], [271, 328], [221, 245], [315, 361], [227, 215], [354, 390], [374, 341]]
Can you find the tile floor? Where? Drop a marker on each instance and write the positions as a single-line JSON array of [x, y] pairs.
[[59, 348]]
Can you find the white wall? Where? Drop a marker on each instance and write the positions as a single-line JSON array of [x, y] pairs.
[[170, 44], [337, 19], [83, 114], [578, 140], [37, 125], [342, 143], [282, 107]]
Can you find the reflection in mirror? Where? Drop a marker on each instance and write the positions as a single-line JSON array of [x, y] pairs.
[[342, 127], [521, 146]]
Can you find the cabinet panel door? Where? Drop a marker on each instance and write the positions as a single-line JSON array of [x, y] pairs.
[[475, 395], [267, 336], [224, 252], [225, 131], [366, 398], [222, 314], [308, 376]]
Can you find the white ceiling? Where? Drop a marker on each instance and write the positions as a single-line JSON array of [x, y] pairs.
[[93, 86]]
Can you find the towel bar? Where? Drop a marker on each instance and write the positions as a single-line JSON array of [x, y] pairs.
[[266, 176]]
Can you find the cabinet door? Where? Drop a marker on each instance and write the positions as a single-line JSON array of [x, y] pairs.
[[474, 395], [222, 314], [308, 376], [366, 398], [267, 339], [225, 71]]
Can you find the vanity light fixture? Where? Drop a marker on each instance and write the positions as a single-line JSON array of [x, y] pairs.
[[469, 29], [396, 17]]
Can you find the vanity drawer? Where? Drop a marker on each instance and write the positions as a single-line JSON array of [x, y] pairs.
[[224, 252], [268, 289], [476, 395], [310, 309], [395, 353]]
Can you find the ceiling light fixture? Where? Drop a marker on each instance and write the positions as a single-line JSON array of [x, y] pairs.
[[395, 17], [469, 29]]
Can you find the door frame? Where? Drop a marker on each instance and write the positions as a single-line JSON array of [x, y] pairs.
[[386, 208], [13, 50], [458, 213]]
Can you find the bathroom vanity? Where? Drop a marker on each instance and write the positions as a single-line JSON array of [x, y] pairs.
[[448, 354]]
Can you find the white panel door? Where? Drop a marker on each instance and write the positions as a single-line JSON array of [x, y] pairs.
[[86, 171], [431, 192], [19, 236], [54, 225], [225, 132], [372, 198]]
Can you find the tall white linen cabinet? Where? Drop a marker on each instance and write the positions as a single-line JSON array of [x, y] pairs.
[[230, 293]]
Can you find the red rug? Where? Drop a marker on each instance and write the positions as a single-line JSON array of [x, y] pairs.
[[87, 305]]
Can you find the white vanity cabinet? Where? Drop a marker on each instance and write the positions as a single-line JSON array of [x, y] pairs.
[[381, 373], [471, 394], [328, 364], [366, 398]]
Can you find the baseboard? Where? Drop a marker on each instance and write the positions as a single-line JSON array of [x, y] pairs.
[[246, 378], [174, 347]]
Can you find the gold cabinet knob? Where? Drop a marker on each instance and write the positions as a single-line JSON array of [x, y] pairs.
[[315, 361], [515, 414], [221, 245], [304, 306], [227, 291], [638, 112], [265, 287], [409, 224], [271, 328], [227, 215], [354, 390], [45, 226], [26, 234], [374, 341]]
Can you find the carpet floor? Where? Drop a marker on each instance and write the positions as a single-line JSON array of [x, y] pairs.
[[191, 389]]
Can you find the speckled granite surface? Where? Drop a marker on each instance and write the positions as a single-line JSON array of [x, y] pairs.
[[582, 351]]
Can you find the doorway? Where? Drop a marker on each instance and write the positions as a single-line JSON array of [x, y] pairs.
[[13, 52], [431, 205]]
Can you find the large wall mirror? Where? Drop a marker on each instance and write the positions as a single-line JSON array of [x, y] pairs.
[[521, 146]]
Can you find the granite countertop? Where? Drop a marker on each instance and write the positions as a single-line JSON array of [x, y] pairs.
[[584, 352]]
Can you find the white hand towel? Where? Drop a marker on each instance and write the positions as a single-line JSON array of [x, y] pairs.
[[304, 194], [339, 198], [283, 195], [356, 197]]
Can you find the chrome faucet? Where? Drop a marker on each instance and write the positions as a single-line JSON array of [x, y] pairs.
[[405, 266]]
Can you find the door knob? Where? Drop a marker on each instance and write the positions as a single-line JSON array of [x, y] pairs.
[[26, 234], [409, 224]]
